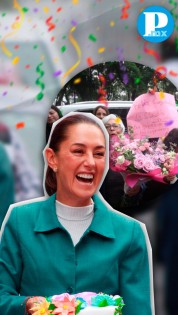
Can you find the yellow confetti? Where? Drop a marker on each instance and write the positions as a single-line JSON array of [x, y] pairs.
[[16, 26], [118, 120], [46, 9], [78, 80], [161, 94], [112, 23], [15, 60], [101, 50], [77, 47], [75, 1]]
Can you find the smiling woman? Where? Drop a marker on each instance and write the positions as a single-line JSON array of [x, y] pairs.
[[71, 240], [76, 160]]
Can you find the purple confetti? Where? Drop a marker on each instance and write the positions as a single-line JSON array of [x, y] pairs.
[[4, 93], [56, 73], [35, 10], [74, 23], [169, 123], [125, 78], [111, 76]]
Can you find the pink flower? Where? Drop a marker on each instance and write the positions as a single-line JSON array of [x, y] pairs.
[[142, 148], [139, 162], [149, 166], [122, 167], [65, 304], [114, 155]]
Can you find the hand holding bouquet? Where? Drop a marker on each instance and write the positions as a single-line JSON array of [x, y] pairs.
[[139, 159]]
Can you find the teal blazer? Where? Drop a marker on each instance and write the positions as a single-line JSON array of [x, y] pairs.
[[37, 257], [6, 183]]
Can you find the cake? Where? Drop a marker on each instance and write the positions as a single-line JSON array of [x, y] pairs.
[[84, 303]]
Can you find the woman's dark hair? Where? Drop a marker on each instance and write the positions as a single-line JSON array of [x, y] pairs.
[[171, 140], [57, 110], [60, 134], [103, 107], [48, 125]]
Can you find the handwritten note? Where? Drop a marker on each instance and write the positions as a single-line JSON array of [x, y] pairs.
[[152, 116]]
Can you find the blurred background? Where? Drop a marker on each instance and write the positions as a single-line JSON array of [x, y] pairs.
[[43, 45]]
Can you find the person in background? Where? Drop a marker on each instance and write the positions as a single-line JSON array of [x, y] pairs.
[[26, 181], [101, 111], [113, 188], [53, 115], [6, 183], [167, 233], [114, 125], [55, 244]]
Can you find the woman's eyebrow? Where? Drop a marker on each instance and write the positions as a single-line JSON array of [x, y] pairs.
[[83, 145]]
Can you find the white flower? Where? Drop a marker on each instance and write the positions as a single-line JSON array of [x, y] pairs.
[[120, 159]]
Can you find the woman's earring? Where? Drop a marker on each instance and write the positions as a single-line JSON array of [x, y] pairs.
[[55, 169]]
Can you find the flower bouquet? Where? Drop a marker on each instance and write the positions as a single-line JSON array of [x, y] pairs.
[[141, 160], [65, 304]]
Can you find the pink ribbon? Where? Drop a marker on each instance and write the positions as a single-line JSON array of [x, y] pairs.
[[133, 178]]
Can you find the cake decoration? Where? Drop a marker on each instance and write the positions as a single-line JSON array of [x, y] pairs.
[[85, 303]]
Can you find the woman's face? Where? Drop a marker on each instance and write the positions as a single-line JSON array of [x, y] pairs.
[[52, 116], [113, 128], [101, 113], [80, 163]]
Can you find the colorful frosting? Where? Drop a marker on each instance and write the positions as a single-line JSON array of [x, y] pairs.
[[85, 302]]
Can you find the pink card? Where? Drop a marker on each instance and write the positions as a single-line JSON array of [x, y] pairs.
[[152, 115]]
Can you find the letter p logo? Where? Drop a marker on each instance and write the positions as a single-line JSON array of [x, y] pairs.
[[154, 21], [155, 24]]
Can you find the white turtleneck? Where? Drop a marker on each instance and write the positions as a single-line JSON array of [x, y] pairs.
[[75, 220]]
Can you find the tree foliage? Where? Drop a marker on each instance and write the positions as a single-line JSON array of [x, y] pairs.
[[122, 80]]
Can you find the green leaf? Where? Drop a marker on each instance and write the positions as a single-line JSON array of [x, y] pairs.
[[51, 307]]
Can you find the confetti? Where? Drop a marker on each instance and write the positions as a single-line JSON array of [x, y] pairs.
[[101, 50], [90, 62], [46, 9], [74, 23], [15, 60], [151, 51], [16, 26], [77, 47], [25, 10], [124, 10], [77, 81], [112, 23], [117, 120], [39, 82], [169, 123], [63, 49], [51, 25], [161, 95], [111, 76], [20, 125], [122, 66], [92, 37], [174, 74], [159, 69], [137, 80], [59, 9], [75, 1], [56, 73], [16, 47]]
